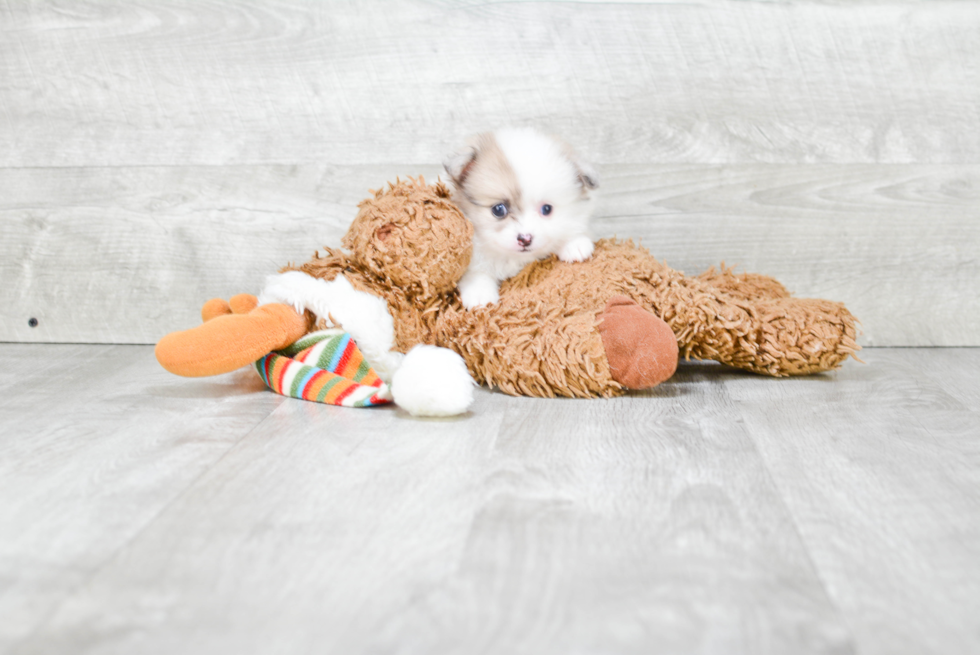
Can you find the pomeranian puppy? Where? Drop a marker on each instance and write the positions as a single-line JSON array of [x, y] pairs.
[[528, 196]]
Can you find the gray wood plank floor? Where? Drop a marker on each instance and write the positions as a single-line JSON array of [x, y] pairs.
[[719, 513]]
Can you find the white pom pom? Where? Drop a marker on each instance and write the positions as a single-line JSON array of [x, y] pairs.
[[432, 381]]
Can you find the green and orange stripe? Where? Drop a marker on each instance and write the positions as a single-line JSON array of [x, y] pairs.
[[325, 367]]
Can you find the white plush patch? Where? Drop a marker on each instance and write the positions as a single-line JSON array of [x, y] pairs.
[[433, 381], [364, 316]]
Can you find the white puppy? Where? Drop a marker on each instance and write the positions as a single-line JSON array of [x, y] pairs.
[[528, 196]]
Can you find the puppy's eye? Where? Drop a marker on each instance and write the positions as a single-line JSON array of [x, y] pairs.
[[545, 210], [499, 210]]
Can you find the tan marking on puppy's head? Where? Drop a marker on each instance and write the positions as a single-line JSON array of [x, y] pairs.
[[525, 192], [482, 177]]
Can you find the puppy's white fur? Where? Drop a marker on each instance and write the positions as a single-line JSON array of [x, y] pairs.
[[547, 195]]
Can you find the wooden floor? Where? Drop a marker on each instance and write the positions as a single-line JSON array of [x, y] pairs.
[[720, 513]]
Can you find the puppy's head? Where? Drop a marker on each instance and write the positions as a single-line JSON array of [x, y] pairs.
[[524, 192]]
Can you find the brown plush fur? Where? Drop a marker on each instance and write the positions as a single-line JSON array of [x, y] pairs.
[[409, 244]]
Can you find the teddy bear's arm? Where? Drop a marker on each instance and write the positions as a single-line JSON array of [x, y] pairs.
[[428, 381], [337, 303]]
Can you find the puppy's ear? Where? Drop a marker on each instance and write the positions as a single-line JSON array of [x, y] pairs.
[[588, 178], [458, 166]]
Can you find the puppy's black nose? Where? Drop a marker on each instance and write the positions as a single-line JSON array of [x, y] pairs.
[[525, 239]]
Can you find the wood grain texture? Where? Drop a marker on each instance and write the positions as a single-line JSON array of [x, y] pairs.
[[155, 154], [659, 504], [897, 244], [527, 526], [888, 510], [154, 82], [96, 442], [721, 512], [126, 255]]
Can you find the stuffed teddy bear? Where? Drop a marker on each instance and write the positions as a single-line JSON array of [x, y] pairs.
[[591, 329]]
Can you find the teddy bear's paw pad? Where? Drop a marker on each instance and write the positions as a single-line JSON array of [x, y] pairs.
[[433, 381], [214, 308], [640, 347]]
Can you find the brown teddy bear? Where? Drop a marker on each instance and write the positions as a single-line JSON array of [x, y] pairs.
[[595, 328]]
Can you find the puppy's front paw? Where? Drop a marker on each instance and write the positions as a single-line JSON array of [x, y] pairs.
[[577, 250], [476, 289], [479, 295]]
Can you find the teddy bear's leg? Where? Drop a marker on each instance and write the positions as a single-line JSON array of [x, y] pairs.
[[775, 336], [747, 286], [641, 348], [800, 336], [229, 341], [526, 348]]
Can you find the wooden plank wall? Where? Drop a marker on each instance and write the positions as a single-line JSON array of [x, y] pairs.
[[155, 153]]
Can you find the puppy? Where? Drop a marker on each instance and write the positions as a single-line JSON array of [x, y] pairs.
[[528, 196]]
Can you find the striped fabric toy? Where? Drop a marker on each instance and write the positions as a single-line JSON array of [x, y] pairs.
[[324, 367]]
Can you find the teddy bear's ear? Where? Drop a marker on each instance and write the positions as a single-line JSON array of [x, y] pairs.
[[458, 165]]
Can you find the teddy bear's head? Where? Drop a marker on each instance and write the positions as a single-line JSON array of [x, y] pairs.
[[413, 235]]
